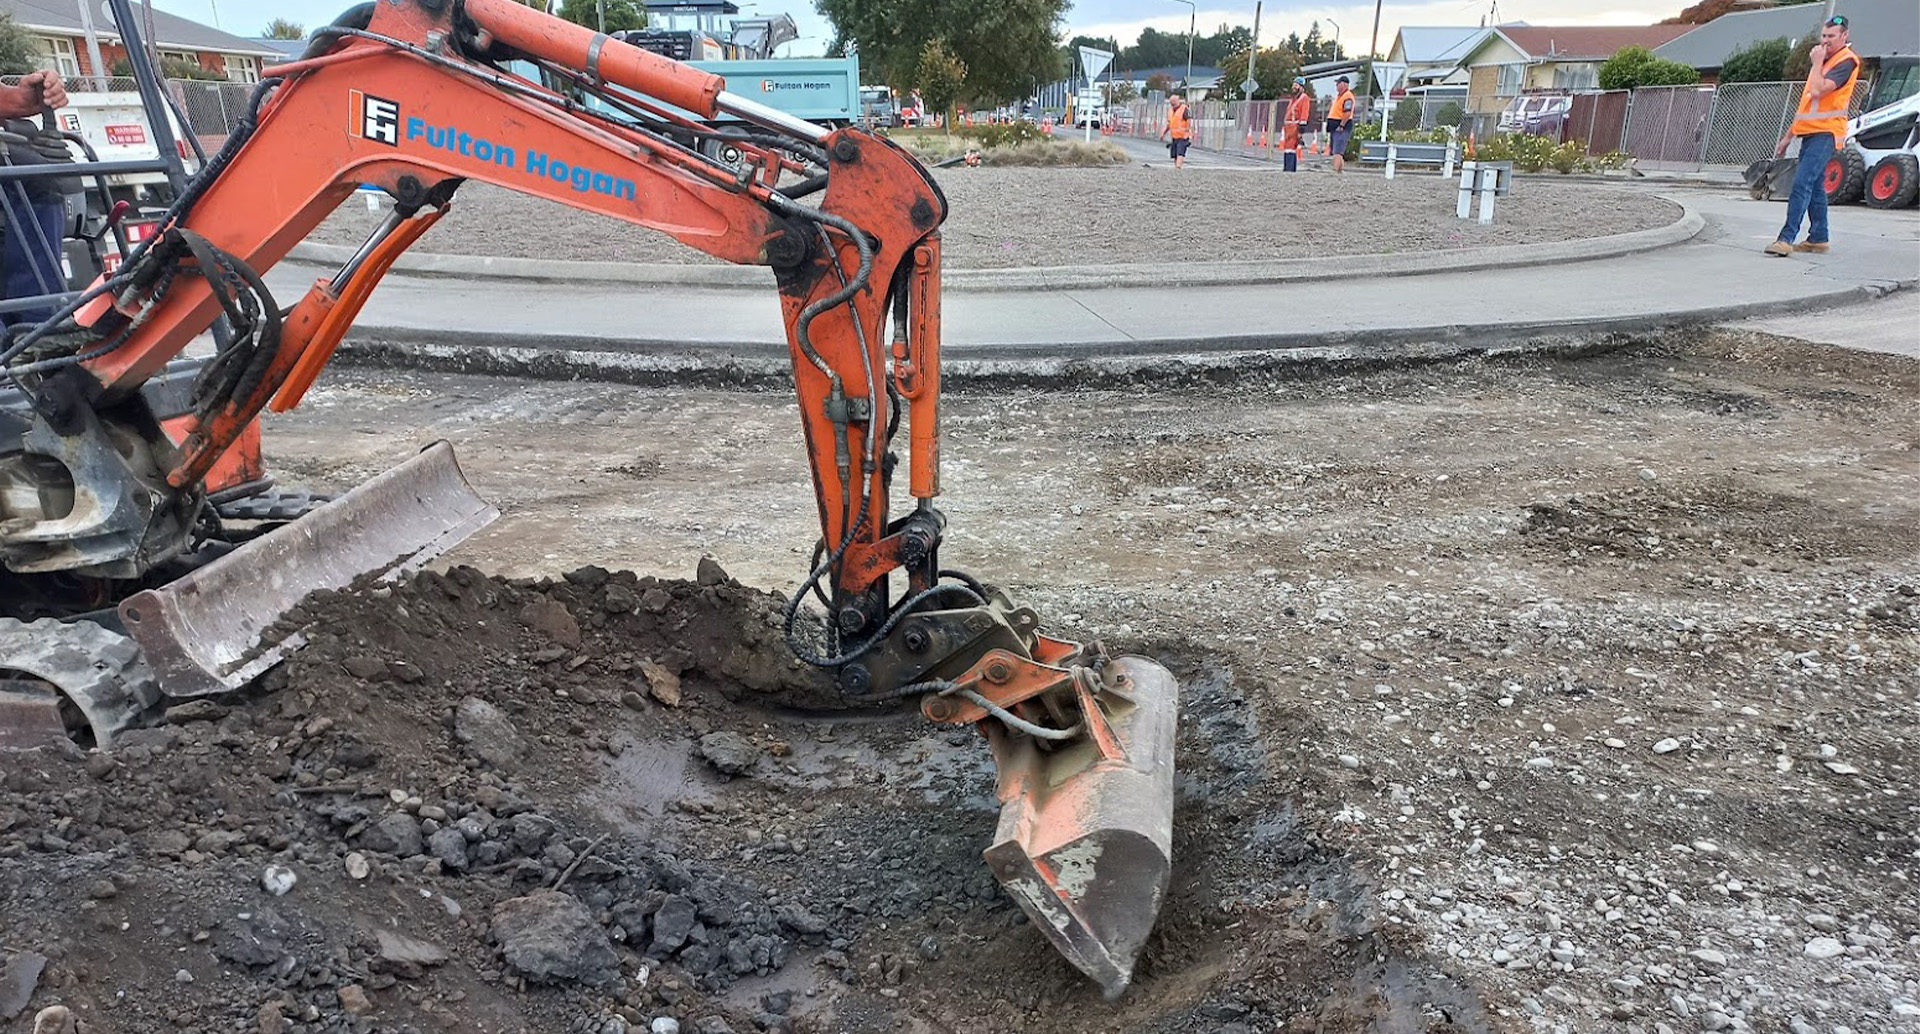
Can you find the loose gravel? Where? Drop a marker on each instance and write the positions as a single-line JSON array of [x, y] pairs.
[[1053, 217]]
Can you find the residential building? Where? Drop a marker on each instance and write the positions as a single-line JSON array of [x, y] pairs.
[[1516, 59], [56, 26], [1885, 33], [1435, 55]]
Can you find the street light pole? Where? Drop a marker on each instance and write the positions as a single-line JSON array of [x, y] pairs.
[[1193, 16], [1336, 40]]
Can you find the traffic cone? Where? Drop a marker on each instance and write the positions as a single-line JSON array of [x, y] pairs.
[[1249, 136]]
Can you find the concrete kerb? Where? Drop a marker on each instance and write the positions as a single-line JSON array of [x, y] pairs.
[[757, 365], [1053, 278]]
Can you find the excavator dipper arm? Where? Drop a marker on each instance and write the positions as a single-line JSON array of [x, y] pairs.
[[411, 96]]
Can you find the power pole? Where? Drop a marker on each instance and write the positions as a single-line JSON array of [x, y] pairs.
[[1373, 45]]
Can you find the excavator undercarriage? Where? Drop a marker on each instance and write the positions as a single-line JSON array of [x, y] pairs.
[[143, 554]]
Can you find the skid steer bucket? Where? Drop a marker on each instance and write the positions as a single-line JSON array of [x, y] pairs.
[[206, 632], [1085, 842]]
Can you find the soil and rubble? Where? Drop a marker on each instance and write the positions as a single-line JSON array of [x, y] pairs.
[[1550, 694], [1054, 217]]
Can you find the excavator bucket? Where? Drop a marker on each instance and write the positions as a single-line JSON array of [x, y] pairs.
[[208, 632], [1085, 841]]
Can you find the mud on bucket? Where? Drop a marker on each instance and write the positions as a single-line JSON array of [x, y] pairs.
[[1085, 841]]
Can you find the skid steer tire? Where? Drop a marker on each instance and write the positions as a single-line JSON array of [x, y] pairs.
[[1846, 177], [1894, 182]]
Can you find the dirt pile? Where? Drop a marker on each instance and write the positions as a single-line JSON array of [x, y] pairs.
[[606, 803]]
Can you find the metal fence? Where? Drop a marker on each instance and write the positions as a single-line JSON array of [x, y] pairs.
[[213, 106], [1599, 119], [1248, 128], [1668, 123]]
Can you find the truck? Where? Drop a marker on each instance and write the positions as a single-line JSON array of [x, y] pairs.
[[112, 126], [878, 108], [1089, 106]]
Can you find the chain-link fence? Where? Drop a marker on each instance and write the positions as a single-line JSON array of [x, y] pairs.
[[1668, 123], [1748, 119], [213, 106]]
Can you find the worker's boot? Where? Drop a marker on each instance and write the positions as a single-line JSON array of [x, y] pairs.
[[1779, 249], [1816, 247]]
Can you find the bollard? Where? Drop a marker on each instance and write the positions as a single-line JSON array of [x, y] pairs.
[[1481, 181], [1390, 157]]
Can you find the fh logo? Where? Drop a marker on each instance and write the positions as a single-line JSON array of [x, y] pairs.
[[375, 118], [766, 86]]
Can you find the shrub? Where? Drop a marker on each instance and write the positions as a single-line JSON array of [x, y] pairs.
[[1001, 134], [1763, 62], [1633, 67], [1406, 115], [1450, 114]]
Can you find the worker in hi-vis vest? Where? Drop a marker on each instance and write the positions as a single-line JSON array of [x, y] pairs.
[[1340, 123], [1179, 131], [1299, 113], [1821, 125]]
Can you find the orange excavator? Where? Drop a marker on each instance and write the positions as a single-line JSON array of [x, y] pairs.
[[126, 582]]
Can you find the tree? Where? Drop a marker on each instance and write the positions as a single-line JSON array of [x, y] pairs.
[[19, 53], [621, 14], [1316, 48], [1121, 91], [1707, 10], [1765, 61], [1273, 72], [1156, 49], [1632, 67], [1211, 50], [1006, 45], [940, 77], [1160, 82], [280, 28]]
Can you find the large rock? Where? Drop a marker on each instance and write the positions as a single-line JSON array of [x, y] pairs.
[[18, 979], [487, 732], [450, 846], [671, 925], [395, 833], [729, 752], [550, 938]]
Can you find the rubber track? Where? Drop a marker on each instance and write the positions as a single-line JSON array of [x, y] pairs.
[[100, 671]]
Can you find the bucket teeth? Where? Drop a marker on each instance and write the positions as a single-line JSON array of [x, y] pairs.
[[1084, 843]]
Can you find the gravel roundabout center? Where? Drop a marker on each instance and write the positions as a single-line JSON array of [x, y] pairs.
[[1003, 218]]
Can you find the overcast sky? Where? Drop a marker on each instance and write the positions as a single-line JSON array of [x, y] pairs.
[[1122, 18]]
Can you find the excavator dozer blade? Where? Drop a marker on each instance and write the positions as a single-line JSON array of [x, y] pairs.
[[1085, 842], [207, 632]]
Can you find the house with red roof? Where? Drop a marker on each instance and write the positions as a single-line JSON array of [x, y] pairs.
[[1516, 59]]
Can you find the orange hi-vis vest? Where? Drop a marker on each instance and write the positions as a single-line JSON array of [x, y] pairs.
[[1342, 109], [1828, 114], [1178, 125], [1300, 109]]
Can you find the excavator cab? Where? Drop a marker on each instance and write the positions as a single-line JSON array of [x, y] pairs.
[[142, 554]]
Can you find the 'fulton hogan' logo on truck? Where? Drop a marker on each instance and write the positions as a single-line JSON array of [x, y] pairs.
[[774, 85], [379, 119]]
